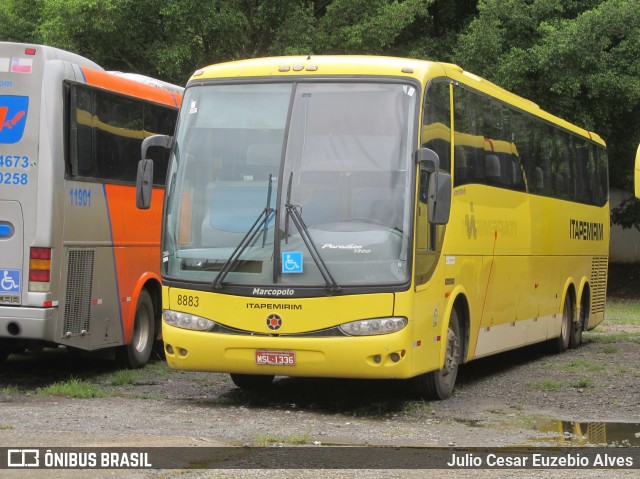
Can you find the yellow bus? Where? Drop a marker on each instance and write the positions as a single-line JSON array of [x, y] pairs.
[[371, 217]]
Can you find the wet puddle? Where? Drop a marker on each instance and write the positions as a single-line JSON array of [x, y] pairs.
[[589, 433]]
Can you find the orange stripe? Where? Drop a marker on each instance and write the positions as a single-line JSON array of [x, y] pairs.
[[128, 87], [136, 244]]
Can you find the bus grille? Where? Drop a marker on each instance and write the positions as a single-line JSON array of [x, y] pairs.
[[598, 284], [77, 308]]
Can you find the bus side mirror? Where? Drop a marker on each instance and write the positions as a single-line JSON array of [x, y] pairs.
[[438, 194], [144, 184], [144, 178], [164, 141], [428, 160], [439, 198]]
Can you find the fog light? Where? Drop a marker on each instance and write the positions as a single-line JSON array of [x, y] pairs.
[[183, 352], [168, 348], [377, 359], [395, 357]]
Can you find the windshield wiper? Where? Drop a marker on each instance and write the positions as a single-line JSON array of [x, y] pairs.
[[293, 212], [261, 223]]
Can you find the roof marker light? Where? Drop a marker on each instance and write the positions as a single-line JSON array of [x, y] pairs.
[[312, 68], [284, 68], [29, 51]]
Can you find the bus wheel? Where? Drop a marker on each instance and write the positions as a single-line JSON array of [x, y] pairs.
[[440, 384], [576, 331], [561, 343], [252, 381], [136, 354]]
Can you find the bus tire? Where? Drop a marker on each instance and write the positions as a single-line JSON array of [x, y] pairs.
[[440, 384], [252, 381], [576, 331], [561, 343], [136, 354]]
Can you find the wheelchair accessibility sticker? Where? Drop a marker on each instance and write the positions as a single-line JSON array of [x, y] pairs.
[[9, 280], [13, 117], [292, 262]]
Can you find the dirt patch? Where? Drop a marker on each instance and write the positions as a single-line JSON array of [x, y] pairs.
[[498, 400]]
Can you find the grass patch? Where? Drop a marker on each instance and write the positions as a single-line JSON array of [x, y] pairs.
[[73, 388], [265, 440], [609, 349], [583, 365], [583, 383], [623, 312], [6, 427], [614, 337], [544, 385], [417, 408], [158, 368], [123, 377], [8, 390]]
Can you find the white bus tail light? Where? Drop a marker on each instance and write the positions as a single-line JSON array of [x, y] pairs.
[[40, 270]]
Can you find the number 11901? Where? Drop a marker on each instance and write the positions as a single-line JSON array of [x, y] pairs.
[[80, 197]]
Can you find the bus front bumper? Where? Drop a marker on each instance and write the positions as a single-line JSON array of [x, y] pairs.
[[368, 357]]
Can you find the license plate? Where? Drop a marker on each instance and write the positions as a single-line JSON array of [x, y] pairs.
[[276, 358]]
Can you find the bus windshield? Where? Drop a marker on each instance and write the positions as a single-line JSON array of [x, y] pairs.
[[284, 183]]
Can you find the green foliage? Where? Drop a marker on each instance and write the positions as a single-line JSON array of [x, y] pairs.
[[19, 20], [123, 377], [627, 214], [73, 388], [366, 26]]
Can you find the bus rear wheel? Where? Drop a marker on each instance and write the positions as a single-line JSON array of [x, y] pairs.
[[561, 343], [440, 384], [576, 330], [137, 353], [252, 381]]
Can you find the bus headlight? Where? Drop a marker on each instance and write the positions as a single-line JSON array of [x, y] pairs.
[[187, 321], [370, 327]]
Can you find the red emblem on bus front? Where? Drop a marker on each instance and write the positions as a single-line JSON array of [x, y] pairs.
[[274, 322]]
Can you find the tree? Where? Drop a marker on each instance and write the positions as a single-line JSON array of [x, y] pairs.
[[577, 59], [169, 39], [19, 20]]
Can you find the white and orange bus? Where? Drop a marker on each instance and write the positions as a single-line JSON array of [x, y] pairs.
[[79, 264], [367, 217]]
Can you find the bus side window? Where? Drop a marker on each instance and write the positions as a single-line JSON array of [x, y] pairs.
[[80, 117]]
